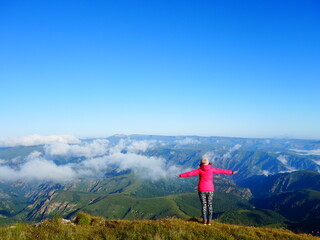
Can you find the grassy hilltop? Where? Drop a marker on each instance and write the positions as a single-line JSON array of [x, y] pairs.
[[89, 227]]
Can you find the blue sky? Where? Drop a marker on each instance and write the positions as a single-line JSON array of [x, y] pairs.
[[211, 68]]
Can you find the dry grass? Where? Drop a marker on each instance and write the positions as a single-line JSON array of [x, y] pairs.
[[88, 227]]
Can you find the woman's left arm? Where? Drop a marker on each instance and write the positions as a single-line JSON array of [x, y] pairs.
[[223, 171]]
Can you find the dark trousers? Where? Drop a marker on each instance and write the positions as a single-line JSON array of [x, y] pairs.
[[206, 205]]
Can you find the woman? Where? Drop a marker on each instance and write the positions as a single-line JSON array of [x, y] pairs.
[[205, 186]]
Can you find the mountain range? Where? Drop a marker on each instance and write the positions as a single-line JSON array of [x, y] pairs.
[[132, 177]]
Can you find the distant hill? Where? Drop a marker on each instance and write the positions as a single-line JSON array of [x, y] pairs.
[[298, 205], [295, 196], [284, 182]]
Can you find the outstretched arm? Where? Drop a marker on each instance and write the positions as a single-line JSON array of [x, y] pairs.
[[223, 171], [190, 174]]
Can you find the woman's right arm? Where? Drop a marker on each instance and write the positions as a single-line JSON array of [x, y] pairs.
[[190, 174]]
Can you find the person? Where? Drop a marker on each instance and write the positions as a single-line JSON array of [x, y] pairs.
[[206, 186]]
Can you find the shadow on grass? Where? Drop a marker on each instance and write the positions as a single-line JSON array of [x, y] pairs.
[[194, 219]]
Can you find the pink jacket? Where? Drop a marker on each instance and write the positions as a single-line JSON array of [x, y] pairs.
[[205, 173]]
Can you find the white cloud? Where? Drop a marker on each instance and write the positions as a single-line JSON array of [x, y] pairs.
[[41, 169], [211, 156], [315, 152], [36, 139], [187, 141], [234, 148], [143, 166], [316, 161], [101, 157], [7, 173], [16, 160], [264, 172], [96, 148], [284, 161], [37, 168], [289, 170], [140, 146]]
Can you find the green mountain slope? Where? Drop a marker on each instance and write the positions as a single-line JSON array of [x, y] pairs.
[[296, 206], [284, 182], [34, 201], [123, 206]]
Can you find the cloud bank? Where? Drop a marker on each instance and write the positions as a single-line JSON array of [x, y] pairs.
[[315, 152], [187, 141], [36, 139], [284, 161], [37, 168], [99, 157], [264, 172], [96, 148], [127, 155], [231, 150], [212, 156]]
